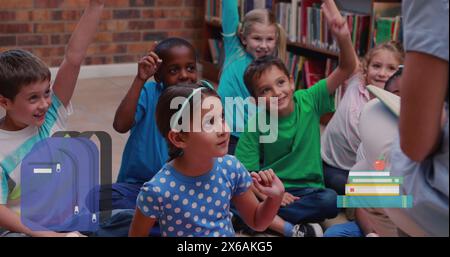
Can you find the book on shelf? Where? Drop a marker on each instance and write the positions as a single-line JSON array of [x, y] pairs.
[[359, 26], [248, 5], [400, 201], [387, 29], [372, 189], [287, 15], [375, 180], [303, 77], [362, 173], [305, 22], [306, 72], [314, 71], [305, 19], [213, 10], [386, 23], [295, 65]]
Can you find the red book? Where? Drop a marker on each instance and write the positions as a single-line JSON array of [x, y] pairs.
[[364, 34], [314, 71], [304, 17]]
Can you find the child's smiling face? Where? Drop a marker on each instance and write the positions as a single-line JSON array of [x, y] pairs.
[[261, 41], [29, 107], [275, 83], [179, 66], [381, 67]]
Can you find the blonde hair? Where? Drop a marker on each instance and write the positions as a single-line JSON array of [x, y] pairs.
[[394, 47], [266, 17]]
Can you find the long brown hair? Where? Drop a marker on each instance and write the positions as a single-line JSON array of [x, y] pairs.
[[392, 46]]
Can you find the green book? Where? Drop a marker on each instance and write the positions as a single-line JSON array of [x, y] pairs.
[[208, 10], [401, 201], [384, 30], [375, 180]]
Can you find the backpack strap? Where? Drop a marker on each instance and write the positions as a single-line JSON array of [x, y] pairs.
[[105, 166]]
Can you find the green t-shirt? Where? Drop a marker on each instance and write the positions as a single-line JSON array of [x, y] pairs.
[[295, 155]]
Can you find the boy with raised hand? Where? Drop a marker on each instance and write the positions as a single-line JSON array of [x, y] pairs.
[[35, 110], [170, 62], [295, 155]]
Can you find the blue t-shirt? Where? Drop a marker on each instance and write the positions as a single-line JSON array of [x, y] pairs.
[[146, 150], [232, 77], [195, 206]]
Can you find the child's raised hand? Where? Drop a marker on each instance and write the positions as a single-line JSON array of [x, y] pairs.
[[336, 22], [268, 183], [148, 66]]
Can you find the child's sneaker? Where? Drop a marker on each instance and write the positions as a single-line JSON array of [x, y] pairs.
[[307, 230]]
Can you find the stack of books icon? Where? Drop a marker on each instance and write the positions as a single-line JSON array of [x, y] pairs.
[[373, 189]]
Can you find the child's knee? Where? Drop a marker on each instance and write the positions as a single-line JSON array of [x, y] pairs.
[[328, 203]]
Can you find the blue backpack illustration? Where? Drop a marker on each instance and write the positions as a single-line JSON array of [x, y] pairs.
[[60, 182]]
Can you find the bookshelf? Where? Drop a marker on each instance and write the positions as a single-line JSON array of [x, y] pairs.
[[298, 45], [312, 54], [311, 51]]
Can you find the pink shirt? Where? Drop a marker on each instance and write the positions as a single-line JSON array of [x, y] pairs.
[[341, 138]]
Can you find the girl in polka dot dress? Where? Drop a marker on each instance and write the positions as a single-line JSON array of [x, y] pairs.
[[191, 195]]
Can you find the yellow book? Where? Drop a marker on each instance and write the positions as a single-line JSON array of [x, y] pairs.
[[372, 189]]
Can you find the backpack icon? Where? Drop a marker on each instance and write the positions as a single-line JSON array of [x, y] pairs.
[[60, 179]]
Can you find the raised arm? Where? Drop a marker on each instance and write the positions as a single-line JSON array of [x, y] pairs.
[[230, 24], [424, 88], [230, 16], [425, 77], [348, 59], [125, 114], [83, 35]]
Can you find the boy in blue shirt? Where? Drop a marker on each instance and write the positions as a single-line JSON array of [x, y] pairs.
[[173, 61]]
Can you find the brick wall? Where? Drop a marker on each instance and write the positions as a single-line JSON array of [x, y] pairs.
[[44, 27]]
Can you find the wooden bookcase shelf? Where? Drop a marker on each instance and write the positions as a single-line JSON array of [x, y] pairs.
[[213, 28], [311, 51]]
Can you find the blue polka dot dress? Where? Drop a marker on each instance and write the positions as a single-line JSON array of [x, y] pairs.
[[195, 206]]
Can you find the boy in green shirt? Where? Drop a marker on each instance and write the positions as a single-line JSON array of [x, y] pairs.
[[295, 155]]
